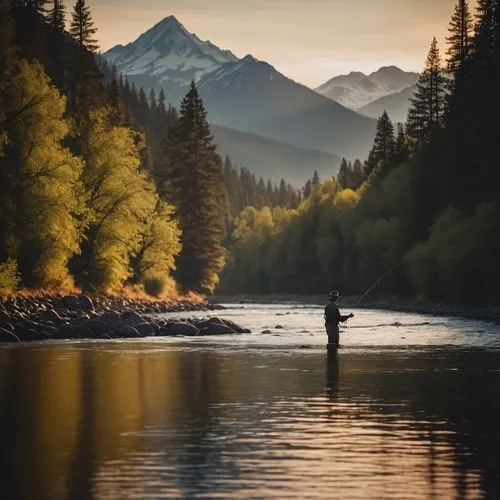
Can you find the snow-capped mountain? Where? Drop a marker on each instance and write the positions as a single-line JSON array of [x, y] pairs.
[[169, 55], [243, 94], [356, 89]]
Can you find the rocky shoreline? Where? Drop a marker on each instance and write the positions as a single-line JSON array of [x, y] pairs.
[[70, 317]]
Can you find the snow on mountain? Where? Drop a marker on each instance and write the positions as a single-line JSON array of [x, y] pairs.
[[169, 55], [357, 90]]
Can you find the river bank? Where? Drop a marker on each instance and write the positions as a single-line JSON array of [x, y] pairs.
[[489, 313], [58, 317]]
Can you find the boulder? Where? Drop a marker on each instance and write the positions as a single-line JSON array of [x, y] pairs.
[[8, 337], [71, 302], [29, 335], [216, 329], [131, 318], [98, 327], [182, 329], [145, 329], [156, 327], [86, 303], [112, 318], [237, 328], [128, 332], [80, 320], [49, 316], [4, 317]]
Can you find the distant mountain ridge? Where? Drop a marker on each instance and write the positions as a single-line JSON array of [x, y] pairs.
[[357, 90], [242, 94], [396, 105], [272, 159]]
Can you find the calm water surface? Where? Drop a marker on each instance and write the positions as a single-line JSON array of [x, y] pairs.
[[410, 408]]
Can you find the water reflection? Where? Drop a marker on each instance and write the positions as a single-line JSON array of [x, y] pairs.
[[133, 421]]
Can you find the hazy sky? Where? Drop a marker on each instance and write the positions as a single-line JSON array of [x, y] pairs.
[[307, 40]]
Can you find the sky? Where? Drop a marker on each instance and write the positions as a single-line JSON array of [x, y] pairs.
[[309, 41]]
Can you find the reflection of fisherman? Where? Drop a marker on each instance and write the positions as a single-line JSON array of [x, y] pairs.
[[333, 318]]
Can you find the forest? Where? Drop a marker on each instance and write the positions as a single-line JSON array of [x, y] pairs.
[[427, 208], [105, 188]]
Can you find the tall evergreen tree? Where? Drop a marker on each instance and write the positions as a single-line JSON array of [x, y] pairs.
[[425, 116], [190, 176], [460, 39], [343, 177], [357, 174], [82, 27], [384, 145], [57, 15]]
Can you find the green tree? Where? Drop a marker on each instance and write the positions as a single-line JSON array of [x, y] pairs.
[[56, 17], [459, 39], [344, 175], [82, 27], [384, 145], [425, 116], [190, 177]]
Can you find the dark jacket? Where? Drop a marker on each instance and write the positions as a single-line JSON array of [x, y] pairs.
[[333, 316]]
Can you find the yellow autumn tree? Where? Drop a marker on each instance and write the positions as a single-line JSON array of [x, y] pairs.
[[121, 202], [41, 194]]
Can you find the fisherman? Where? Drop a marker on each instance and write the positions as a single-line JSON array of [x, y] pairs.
[[333, 318]]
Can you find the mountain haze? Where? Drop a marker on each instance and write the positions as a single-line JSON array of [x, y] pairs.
[[396, 105], [357, 90], [272, 159], [247, 95]]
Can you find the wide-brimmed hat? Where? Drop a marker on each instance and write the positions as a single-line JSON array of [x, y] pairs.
[[334, 295]]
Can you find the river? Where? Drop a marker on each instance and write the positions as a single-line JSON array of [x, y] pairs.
[[408, 409]]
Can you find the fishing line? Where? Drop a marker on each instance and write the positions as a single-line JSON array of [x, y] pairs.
[[377, 282]]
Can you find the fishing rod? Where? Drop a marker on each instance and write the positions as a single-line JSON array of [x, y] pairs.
[[377, 282]]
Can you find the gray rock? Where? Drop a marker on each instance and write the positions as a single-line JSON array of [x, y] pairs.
[[237, 328], [98, 327], [182, 329], [266, 331], [83, 332], [131, 318], [112, 318], [80, 321], [86, 303], [4, 317], [145, 329], [49, 316], [279, 327], [71, 302], [128, 332], [8, 337], [156, 327], [216, 329]]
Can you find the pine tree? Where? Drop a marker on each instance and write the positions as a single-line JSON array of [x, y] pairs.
[[315, 181], [57, 15], [82, 27], [384, 145], [190, 176], [425, 116], [401, 149], [357, 174], [460, 39], [343, 177]]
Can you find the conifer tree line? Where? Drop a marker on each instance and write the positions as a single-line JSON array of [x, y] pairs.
[[428, 201], [244, 190]]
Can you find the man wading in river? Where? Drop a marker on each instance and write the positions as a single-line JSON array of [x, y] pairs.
[[332, 320]]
